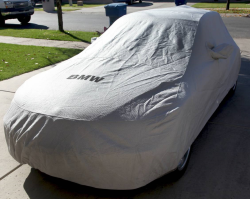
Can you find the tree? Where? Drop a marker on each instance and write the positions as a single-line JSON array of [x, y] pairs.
[[59, 14], [228, 4]]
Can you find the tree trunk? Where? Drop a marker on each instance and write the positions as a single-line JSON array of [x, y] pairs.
[[59, 14], [228, 4]]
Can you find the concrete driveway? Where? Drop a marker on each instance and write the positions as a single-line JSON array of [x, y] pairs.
[[219, 165]]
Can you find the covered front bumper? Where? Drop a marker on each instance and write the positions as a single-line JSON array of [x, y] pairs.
[[102, 154]]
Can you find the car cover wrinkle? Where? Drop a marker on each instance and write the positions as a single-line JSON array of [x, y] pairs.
[[136, 80], [18, 137], [159, 104], [145, 72], [158, 99], [21, 131], [142, 86], [135, 103], [29, 140], [9, 122]]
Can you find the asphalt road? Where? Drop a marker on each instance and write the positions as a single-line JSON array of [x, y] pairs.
[[239, 27]]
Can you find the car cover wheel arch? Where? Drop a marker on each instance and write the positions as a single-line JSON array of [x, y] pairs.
[[232, 90], [184, 160], [234, 87]]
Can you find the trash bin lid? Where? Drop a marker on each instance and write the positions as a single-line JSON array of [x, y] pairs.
[[115, 5]]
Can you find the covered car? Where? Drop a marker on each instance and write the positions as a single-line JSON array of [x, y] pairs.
[[126, 110]]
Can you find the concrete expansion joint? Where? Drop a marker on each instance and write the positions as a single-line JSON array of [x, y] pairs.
[[7, 91], [1, 178]]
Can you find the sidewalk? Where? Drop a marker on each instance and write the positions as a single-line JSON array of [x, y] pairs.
[[43, 42]]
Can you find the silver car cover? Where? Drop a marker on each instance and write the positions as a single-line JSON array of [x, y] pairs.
[[123, 112]]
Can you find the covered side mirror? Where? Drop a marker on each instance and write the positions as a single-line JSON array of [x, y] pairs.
[[222, 51]]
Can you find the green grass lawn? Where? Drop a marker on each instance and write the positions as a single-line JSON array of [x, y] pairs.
[[19, 59], [48, 34], [67, 7], [222, 5]]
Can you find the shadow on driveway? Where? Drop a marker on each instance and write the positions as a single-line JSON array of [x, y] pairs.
[[28, 26], [143, 4], [39, 186]]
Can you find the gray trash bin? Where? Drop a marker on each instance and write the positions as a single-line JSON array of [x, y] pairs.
[[48, 5], [115, 11]]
